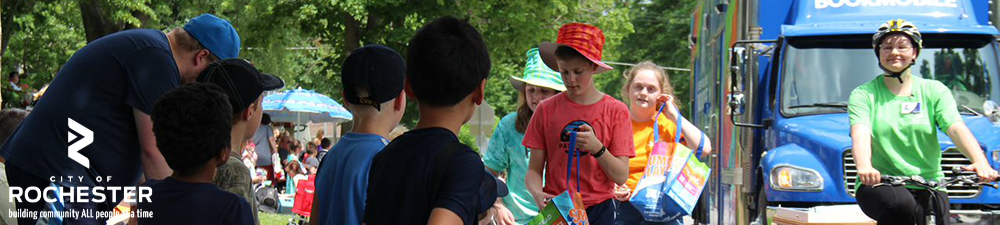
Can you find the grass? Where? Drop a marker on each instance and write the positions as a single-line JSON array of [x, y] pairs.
[[274, 218]]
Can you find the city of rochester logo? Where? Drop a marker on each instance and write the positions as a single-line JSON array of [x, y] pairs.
[[72, 189], [79, 137]]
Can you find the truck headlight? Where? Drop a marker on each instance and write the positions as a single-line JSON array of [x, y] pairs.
[[788, 178]]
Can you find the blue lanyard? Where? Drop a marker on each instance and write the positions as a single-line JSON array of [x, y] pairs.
[[569, 163]]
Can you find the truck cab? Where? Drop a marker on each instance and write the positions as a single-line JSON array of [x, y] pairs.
[[772, 80]]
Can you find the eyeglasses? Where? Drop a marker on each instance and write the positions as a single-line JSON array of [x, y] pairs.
[[900, 48]]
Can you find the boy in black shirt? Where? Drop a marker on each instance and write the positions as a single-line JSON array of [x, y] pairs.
[[426, 175], [192, 125]]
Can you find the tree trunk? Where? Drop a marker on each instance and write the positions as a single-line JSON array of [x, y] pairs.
[[4, 43], [13, 8], [95, 22]]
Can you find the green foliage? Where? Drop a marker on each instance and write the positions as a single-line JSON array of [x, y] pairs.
[[661, 36], [126, 11], [466, 137], [509, 28], [44, 39], [305, 41]]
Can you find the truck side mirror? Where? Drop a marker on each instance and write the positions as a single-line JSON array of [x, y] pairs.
[[721, 7], [992, 111], [739, 57]]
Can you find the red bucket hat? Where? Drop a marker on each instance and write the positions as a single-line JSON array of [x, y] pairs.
[[584, 38]]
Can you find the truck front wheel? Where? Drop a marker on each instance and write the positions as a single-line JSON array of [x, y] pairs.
[[760, 214]]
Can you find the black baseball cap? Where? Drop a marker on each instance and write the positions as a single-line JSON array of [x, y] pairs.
[[490, 189], [241, 80], [377, 69]]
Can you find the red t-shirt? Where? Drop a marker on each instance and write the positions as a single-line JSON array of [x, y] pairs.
[[548, 131]]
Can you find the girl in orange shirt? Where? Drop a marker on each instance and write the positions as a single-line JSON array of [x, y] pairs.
[[647, 86]]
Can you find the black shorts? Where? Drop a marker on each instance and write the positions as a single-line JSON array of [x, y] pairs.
[[602, 213], [901, 205]]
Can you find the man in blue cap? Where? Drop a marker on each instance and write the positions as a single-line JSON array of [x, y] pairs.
[[92, 129]]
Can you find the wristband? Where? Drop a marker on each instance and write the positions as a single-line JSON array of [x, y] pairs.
[[600, 152]]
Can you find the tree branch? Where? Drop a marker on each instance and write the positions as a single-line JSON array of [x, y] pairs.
[[12, 9], [352, 34]]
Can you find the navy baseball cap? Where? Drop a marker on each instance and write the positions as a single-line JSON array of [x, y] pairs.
[[490, 189], [376, 69], [216, 34], [241, 80]]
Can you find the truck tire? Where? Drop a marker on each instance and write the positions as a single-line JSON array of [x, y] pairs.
[[760, 213]]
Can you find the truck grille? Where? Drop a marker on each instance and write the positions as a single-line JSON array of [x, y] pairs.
[[949, 158]]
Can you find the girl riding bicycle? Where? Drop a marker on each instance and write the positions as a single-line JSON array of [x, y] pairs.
[[894, 122]]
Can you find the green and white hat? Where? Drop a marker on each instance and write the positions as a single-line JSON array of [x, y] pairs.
[[536, 73]]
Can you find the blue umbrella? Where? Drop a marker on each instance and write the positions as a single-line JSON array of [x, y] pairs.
[[300, 106]]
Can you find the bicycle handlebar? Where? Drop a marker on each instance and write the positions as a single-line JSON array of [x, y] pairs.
[[956, 178], [961, 180]]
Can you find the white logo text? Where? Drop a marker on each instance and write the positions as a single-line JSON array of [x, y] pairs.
[[820, 4]]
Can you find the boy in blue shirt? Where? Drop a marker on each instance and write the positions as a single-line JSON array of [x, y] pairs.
[[373, 89]]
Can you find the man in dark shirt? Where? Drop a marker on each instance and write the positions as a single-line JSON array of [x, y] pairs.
[[109, 87], [192, 125], [447, 66]]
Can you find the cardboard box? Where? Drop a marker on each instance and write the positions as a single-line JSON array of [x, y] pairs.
[[821, 215]]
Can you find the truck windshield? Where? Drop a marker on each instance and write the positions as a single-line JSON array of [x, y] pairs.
[[820, 80]]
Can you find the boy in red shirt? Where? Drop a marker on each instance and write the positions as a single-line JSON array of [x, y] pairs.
[[604, 130]]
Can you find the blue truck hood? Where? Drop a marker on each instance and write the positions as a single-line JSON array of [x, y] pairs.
[[831, 132]]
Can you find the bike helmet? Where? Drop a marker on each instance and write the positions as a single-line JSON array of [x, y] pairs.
[[897, 26]]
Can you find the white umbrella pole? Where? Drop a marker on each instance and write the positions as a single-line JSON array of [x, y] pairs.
[[298, 119]]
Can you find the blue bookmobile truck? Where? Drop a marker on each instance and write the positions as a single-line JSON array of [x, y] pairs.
[[771, 81]]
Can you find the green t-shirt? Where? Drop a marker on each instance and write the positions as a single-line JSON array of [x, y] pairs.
[[505, 153], [904, 128]]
